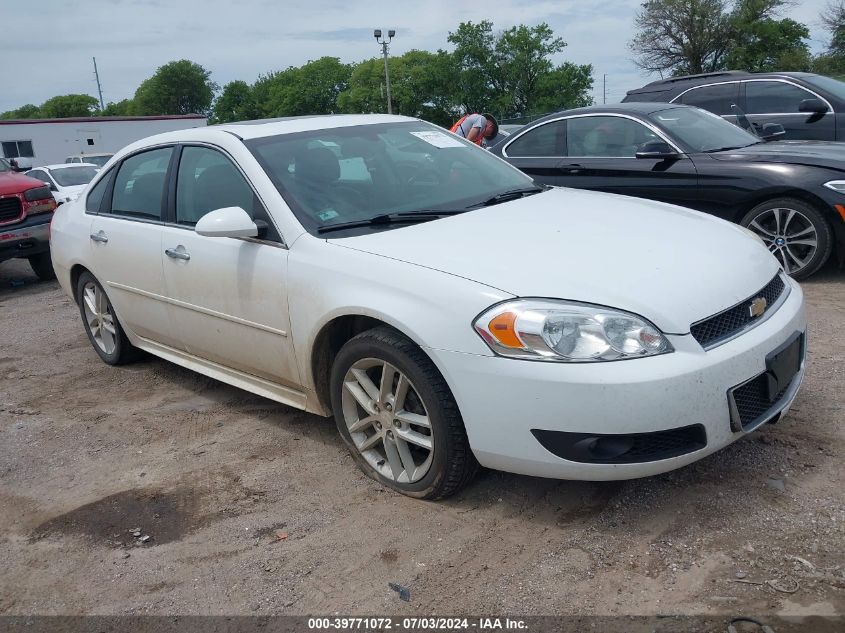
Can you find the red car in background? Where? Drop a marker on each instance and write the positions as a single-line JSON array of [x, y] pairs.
[[26, 208]]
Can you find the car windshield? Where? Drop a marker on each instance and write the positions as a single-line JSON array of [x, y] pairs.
[[828, 84], [702, 131], [69, 176], [5, 165], [355, 174], [97, 160]]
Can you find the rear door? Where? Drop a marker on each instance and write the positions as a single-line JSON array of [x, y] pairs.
[[777, 101], [716, 98], [601, 155], [125, 242]]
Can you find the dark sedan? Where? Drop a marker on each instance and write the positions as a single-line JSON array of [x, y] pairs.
[[791, 193]]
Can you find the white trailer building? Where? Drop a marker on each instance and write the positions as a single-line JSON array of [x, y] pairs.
[[48, 141]]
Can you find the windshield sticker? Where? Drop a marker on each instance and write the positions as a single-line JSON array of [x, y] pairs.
[[327, 214], [438, 139]]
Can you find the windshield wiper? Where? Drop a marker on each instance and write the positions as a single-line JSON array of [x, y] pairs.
[[403, 217], [511, 194]]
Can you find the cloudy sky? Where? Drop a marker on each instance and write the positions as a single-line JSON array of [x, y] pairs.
[[47, 46]]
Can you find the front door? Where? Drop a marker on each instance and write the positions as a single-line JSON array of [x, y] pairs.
[[769, 101], [228, 296], [601, 155]]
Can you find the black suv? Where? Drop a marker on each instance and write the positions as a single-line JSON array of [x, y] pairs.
[[808, 106]]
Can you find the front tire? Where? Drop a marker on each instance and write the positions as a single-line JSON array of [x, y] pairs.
[[797, 234], [101, 323], [42, 266], [398, 416]]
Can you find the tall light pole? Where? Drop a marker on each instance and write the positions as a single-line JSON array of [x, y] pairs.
[[384, 42]]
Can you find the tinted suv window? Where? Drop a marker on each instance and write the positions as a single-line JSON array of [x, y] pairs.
[[718, 99], [139, 184], [545, 140], [606, 136], [773, 97]]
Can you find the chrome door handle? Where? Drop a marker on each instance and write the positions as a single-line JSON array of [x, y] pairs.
[[174, 254], [99, 237]]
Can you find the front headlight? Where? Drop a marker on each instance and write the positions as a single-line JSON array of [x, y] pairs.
[[836, 185], [564, 331]]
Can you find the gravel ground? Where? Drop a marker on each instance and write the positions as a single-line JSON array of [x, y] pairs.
[[255, 508]]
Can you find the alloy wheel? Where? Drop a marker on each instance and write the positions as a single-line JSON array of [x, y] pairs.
[[789, 234], [99, 317], [387, 420]]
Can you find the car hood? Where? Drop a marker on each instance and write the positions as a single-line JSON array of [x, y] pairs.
[[811, 153], [13, 182], [71, 190], [671, 265]]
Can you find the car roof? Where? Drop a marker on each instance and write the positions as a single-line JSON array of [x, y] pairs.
[[66, 165], [673, 84], [91, 154], [643, 108]]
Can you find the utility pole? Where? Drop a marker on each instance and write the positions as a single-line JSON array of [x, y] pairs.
[[604, 88], [99, 89], [384, 42]]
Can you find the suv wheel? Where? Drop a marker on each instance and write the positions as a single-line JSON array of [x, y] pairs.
[[42, 266], [795, 232], [101, 324], [398, 417]]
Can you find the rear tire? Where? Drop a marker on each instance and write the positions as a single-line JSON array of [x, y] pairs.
[[42, 266], [101, 324], [797, 234], [406, 432]]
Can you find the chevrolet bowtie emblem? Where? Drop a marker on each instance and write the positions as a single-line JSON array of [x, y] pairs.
[[758, 306]]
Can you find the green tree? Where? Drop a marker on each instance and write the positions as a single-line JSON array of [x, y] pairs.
[[73, 105], [309, 89], [28, 111], [476, 84], [522, 57], [763, 43], [179, 87], [420, 85], [681, 36], [125, 107], [567, 86], [832, 61], [235, 103]]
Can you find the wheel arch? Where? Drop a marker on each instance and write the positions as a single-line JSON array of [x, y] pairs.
[[75, 273], [332, 336], [799, 194]]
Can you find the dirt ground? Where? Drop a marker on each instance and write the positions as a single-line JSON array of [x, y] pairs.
[[255, 508]]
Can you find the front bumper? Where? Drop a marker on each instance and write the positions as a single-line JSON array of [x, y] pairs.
[[503, 400], [26, 238]]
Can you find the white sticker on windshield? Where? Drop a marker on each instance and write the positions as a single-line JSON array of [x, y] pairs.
[[438, 139]]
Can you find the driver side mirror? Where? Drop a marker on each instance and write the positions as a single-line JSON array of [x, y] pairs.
[[226, 222], [660, 150], [812, 106]]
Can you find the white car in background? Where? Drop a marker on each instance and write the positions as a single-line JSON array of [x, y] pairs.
[[66, 181], [97, 159], [444, 308]]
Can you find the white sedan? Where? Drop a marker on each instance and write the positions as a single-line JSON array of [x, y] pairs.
[[66, 181], [445, 309]]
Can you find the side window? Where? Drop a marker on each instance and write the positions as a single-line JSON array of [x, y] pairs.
[[545, 140], [139, 184], [773, 97], [95, 196], [40, 175], [606, 137], [717, 99], [208, 180]]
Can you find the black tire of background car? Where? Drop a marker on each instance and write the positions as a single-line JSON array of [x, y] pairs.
[[453, 464], [42, 266], [124, 352], [824, 232]]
